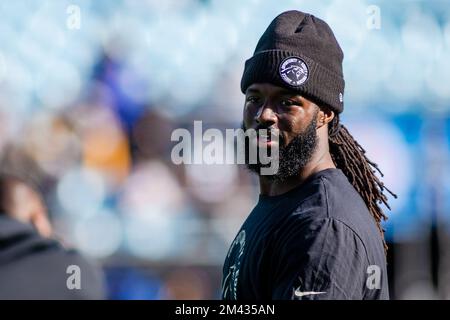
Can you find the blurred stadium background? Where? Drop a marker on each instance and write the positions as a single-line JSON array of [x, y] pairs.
[[90, 92]]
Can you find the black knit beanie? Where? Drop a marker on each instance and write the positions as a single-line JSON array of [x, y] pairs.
[[299, 51]]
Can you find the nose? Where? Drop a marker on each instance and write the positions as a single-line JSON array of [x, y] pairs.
[[265, 117]]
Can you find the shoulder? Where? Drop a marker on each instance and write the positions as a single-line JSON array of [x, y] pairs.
[[329, 237], [329, 195], [332, 213]]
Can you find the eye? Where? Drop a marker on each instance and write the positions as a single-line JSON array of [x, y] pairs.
[[288, 103], [252, 99]]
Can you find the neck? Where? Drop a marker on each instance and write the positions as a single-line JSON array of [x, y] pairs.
[[319, 161]]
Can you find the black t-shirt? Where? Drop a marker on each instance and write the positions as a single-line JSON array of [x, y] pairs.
[[317, 241]]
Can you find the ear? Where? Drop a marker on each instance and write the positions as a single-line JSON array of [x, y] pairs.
[[324, 117]]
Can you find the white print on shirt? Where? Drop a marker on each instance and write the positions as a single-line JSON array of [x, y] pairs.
[[300, 294], [373, 282], [230, 282]]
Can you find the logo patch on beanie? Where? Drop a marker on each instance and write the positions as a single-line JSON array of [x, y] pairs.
[[294, 71]]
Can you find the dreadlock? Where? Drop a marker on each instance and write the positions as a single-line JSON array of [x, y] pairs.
[[349, 156]]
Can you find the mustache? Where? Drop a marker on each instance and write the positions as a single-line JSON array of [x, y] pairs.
[[271, 130]]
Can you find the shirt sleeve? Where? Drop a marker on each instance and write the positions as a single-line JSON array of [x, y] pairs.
[[320, 259]]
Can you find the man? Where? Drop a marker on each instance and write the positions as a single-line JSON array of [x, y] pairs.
[[315, 232], [32, 265]]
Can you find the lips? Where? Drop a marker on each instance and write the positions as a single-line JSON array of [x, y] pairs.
[[266, 137]]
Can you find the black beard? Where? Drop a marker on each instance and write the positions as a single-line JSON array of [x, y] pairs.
[[293, 157]]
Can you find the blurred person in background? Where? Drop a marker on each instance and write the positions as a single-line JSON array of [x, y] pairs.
[[32, 264], [315, 232]]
